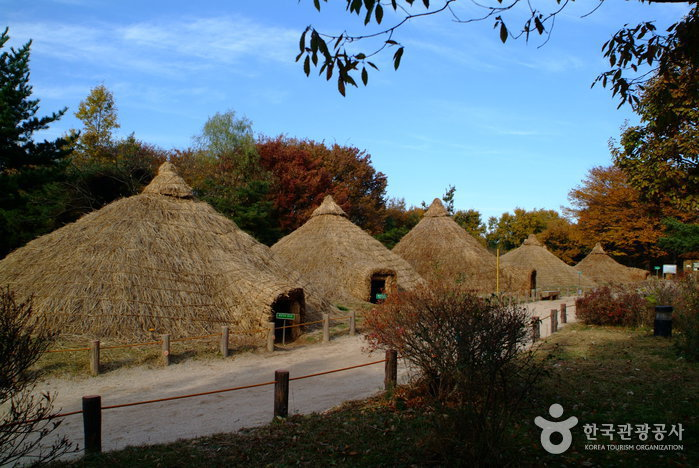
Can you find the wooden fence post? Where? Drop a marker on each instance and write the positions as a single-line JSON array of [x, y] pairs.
[[270, 336], [224, 341], [353, 323], [95, 357], [165, 340], [554, 320], [391, 370], [326, 328], [281, 393], [92, 423], [564, 313], [536, 329]]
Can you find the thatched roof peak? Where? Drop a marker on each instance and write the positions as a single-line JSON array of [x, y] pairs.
[[168, 182], [532, 240], [436, 209], [329, 207], [597, 249]]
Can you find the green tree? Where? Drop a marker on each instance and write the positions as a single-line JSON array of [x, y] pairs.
[[98, 113], [29, 171], [398, 221], [510, 230], [471, 221], [660, 157], [630, 48], [680, 238]]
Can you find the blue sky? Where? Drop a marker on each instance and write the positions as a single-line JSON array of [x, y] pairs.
[[512, 125]]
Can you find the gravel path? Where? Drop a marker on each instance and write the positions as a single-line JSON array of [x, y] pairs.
[[231, 411]]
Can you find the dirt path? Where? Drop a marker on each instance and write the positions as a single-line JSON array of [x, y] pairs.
[[231, 411]]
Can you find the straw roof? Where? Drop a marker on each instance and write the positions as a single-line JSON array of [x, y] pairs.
[[339, 257], [551, 272], [158, 260], [441, 250], [604, 270]]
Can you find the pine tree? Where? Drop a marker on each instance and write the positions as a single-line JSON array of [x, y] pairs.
[[29, 171]]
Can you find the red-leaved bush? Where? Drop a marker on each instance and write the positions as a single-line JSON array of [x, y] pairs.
[[612, 305]]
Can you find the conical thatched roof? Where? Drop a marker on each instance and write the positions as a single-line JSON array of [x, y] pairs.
[[604, 270], [551, 272], [441, 250], [157, 260], [339, 257]]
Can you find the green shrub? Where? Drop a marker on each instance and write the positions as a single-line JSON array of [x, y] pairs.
[[686, 317]]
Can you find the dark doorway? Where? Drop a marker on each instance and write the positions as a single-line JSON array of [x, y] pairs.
[[379, 288], [532, 283], [291, 304]]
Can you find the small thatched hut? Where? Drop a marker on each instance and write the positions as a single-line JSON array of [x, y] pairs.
[[551, 273], [341, 259], [601, 268], [441, 250], [158, 261]]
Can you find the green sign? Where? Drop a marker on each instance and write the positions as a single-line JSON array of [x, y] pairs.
[[286, 316], [381, 296], [657, 268]]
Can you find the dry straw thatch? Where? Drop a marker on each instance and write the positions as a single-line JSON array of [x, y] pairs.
[[604, 270], [441, 250], [340, 258], [551, 272], [159, 260]]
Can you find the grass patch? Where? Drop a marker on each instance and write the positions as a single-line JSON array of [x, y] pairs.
[[601, 375]]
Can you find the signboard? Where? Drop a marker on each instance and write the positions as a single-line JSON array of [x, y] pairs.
[[381, 296], [286, 316], [670, 269], [657, 267]]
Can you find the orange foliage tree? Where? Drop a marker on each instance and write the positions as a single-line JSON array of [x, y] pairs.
[[609, 210]]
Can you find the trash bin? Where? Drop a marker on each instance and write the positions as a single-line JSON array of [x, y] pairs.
[[663, 321]]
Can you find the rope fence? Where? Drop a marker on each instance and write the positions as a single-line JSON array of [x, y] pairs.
[[92, 405], [165, 341]]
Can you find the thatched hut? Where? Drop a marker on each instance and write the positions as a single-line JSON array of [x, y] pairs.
[[550, 272], [441, 250], [601, 268], [158, 261], [341, 259]]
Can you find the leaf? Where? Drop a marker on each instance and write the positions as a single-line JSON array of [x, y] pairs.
[[360, 56], [426, 3], [307, 65], [396, 58], [539, 25], [503, 32], [340, 85], [365, 76], [302, 41], [317, 4], [371, 64], [391, 42], [329, 71], [379, 13]]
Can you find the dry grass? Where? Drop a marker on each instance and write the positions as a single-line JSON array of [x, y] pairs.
[[339, 257], [551, 271], [155, 261], [602, 269], [441, 250]]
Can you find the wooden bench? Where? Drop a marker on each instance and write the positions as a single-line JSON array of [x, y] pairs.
[[549, 295]]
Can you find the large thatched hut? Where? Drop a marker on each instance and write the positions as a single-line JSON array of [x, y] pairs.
[[441, 250], [550, 272], [601, 268], [341, 259], [158, 261]]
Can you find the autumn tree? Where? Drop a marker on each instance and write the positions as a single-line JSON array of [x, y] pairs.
[[609, 210], [563, 238], [304, 171], [30, 171], [661, 155], [510, 230], [628, 50], [98, 113]]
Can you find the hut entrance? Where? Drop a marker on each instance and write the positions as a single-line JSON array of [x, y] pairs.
[[532, 283], [379, 287], [287, 310]]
